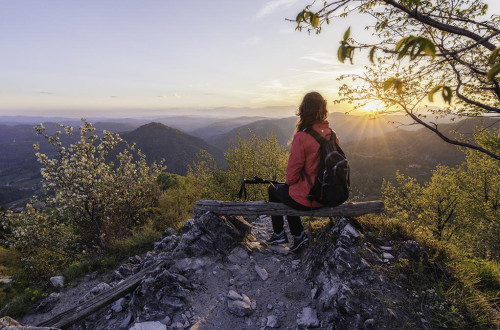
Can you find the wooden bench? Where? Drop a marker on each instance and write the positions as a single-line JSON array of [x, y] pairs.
[[268, 208]]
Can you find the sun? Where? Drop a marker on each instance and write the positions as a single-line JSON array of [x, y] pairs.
[[373, 106]]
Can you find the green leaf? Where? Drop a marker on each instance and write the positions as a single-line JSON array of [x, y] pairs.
[[300, 17], [340, 53], [347, 33], [433, 91], [493, 56], [447, 94], [314, 20], [493, 71], [393, 83], [429, 48], [372, 54]]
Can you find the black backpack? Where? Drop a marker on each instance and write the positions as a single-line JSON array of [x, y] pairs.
[[331, 187]]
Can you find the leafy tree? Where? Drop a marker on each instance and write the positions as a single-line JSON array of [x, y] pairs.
[[422, 47]]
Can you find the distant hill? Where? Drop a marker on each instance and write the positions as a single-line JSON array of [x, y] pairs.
[[179, 149], [222, 126], [348, 128]]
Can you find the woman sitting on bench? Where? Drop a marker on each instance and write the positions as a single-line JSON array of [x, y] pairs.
[[303, 161]]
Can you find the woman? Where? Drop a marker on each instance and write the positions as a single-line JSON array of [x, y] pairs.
[[303, 161]]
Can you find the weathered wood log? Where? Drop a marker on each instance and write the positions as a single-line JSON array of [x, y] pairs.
[[71, 316], [268, 208]]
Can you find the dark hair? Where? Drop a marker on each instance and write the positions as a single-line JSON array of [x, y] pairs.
[[311, 110]]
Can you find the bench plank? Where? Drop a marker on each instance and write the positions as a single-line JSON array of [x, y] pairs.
[[269, 208]]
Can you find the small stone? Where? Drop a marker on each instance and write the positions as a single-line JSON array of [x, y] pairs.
[[308, 318], [233, 295], [151, 325], [118, 305], [262, 273], [281, 303], [177, 325], [386, 248], [272, 322], [269, 307], [392, 313], [239, 308], [314, 292], [57, 281], [387, 255], [351, 231], [369, 323], [166, 320], [231, 281]]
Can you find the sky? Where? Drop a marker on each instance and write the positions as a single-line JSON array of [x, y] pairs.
[[132, 58]]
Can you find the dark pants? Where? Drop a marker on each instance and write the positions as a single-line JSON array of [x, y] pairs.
[[279, 194]]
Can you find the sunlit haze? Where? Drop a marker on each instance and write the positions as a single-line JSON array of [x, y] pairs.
[[147, 58]]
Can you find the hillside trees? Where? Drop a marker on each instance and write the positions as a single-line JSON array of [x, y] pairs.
[[422, 47], [89, 200], [460, 205]]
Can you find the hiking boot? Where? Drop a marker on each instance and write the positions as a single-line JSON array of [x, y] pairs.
[[278, 238], [299, 242]]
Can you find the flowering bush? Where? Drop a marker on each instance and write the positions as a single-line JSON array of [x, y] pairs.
[[89, 199]]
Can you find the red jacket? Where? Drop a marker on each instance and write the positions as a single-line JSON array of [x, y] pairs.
[[304, 155]]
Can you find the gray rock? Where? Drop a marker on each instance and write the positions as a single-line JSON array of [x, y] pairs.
[[386, 248], [238, 255], [272, 321], [151, 325], [98, 289], [369, 324], [351, 231], [387, 255], [190, 264], [118, 305], [239, 308], [57, 281], [308, 318], [5, 280], [262, 272], [279, 249], [48, 303], [233, 295], [126, 321]]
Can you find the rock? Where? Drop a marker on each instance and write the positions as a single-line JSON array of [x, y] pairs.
[[168, 232], [57, 281], [308, 318], [98, 289], [5, 280], [351, 231], [272, 322], [7, 321], [369, 324], [238, 255], [262, 273], [118, 305], [233, 295], [269, 307], [151, 325], [386, 248], [126, 321], [190, 264], [279, 249], [387, 255], [48, 303], [239, 308], [167, 320]]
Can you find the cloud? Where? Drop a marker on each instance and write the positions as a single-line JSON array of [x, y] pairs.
[[176, 95], [251, 41], [321, 58], [273, 5]]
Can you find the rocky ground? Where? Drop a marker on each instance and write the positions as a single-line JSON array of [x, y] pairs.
[[220, 274]]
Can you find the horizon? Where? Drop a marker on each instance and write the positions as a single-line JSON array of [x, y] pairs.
[[133, 60]]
